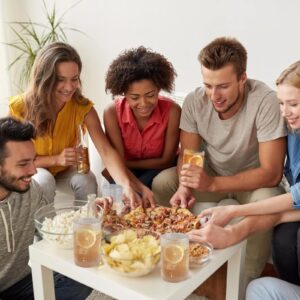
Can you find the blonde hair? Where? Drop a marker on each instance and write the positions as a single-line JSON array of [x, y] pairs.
[[40, 108], [290, 76]]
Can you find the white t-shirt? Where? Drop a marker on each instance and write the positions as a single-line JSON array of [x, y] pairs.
[[231, 146]]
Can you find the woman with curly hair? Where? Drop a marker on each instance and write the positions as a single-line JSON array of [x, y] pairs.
[[142, 125], [55, 105]]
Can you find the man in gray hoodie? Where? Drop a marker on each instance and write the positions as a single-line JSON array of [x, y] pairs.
[[20, 197]]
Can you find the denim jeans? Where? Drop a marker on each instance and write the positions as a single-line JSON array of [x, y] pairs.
[[145, 176], [65, 289]]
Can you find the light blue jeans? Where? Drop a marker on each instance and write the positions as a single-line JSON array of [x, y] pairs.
[[80, 184], [270, 288]]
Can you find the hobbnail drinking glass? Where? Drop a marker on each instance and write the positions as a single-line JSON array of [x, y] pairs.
[[174, 256], [87, 241]]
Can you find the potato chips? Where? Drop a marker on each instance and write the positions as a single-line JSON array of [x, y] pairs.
[[132, 255]]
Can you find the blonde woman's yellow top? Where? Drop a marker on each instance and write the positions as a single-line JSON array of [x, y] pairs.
[[63, 134]]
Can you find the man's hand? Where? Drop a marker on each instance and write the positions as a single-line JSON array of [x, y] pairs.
[[219, 215], [194, 177], [218, 236], [183, 198]]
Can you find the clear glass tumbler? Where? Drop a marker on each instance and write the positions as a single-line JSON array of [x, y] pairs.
[[87, 241], [174, 256]]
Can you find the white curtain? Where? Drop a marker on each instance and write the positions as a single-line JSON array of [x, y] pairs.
[[4, 77]]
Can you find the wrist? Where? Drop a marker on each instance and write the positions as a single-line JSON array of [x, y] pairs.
[[213, 187]]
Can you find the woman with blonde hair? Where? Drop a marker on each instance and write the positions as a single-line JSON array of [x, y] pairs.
[[56, 106]]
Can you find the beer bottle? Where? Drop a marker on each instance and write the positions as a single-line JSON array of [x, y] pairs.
[[83, 164]]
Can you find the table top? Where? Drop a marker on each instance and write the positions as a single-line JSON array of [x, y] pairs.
[[103, 279]]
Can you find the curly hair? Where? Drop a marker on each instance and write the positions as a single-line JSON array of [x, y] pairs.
[[138, 64], [40, 109], [222, 51]]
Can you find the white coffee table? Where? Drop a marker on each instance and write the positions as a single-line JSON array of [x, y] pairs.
[[45, 259]]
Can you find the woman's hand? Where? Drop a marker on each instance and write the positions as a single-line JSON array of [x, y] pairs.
[[66, 158], [219, 215], [218, 236], [105, 202]]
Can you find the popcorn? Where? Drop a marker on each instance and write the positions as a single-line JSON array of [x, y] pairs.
[[60, 229]]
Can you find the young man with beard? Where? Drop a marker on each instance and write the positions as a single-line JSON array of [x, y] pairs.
[[237, 122], [20, 197]]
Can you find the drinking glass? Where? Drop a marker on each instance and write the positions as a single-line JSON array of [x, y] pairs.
[[174, 256], [192, 157], [87, 241]]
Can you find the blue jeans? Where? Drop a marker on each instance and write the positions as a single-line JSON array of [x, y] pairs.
[[145, 176], [270, 288], [65, 289]]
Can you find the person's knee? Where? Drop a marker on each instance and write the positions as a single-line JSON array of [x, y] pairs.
[[47, 183], [83, 184], [165, 184], [259, 289]]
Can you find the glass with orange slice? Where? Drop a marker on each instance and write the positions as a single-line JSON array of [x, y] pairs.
[[174, 256], [87, 242], [192, 157]]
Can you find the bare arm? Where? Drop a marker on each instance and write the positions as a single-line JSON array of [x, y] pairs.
[[183, 196], [289, 216], [221, 237], [66, 158], [114, 162], [222, 215], [268, 174]]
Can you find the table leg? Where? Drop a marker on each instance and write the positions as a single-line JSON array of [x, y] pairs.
[[235, 269], [43, 283]]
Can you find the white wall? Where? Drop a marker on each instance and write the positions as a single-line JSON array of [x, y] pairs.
[[269, 29]]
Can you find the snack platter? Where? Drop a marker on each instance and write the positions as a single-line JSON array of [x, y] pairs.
[[159, 219]]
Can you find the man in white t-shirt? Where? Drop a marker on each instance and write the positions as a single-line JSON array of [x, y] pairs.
[[237, 122]]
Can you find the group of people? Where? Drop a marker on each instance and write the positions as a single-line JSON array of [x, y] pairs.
[[238, 122]]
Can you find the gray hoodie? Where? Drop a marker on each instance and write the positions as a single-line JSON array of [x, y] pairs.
[[17, 232]]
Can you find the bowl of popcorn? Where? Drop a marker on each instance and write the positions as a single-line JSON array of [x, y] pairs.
[[55, 221], [132, 252], [199, 253]]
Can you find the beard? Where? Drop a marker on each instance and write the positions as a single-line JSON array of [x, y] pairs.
[[7, 182]]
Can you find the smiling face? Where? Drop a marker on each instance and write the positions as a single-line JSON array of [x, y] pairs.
[[224, 89], [67, 81], [17, 168], [142, 97], [289, 100]]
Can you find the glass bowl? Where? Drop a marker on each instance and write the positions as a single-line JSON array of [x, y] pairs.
[[199, 253], [131, 252], [55, 222]]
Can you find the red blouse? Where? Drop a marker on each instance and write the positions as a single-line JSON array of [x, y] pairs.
[[150, 142]]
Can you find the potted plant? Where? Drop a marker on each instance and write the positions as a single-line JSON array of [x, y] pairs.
[[31, 36]]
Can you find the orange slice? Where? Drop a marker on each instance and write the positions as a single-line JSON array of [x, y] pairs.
[[173, 253], [85, 238], [197, 160]]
